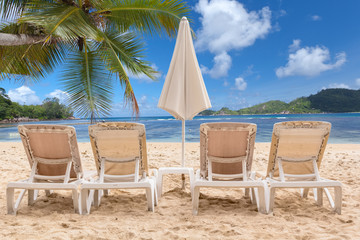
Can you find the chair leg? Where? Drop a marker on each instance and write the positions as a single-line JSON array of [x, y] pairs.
[[267, 196], [329, 197], [272, 199], [253, 195], [305, 192], [247, 192], [156, 200], [106, 192], [18, 201], [338, 199], [261, 200], [155, 191], [75, 196], [10, 201], [315, 193], [256, 197], [191, 179], [159, 184], [195, 200], [31, 197], [36, 194], [150, 197], [85, 203], [97, 197], [319, 196]]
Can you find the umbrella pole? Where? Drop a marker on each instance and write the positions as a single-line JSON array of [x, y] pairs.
[[183, 144], [183, 153]]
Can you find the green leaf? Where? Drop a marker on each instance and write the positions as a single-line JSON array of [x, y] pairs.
[[34, 61], [89, 84], [122, 53], [10, 9], [67, 22], [148, 16]]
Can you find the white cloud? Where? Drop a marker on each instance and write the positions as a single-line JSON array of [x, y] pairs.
[[61, 95], [338, 85], [226, 26], [143, 77], [204, 69], [24, 95], [222, 64], [357, 81], [240, 84], [142, 100], [309, 61], [144, 104], [249, 71], [295, 45], [280, 13], [316, 18]]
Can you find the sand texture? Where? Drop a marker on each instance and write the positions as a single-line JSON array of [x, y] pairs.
[[223, 213]]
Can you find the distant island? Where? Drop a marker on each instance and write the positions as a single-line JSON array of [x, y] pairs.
[[329, 100], [50, 109]]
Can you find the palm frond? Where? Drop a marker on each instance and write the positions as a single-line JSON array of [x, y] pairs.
[[35, 61], [125, 51], [148, 16], [32, 60], [122, 53], [11, 9], [88, 83], [65, 21]]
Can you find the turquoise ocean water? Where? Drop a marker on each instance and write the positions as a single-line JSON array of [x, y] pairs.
[[345, 126]]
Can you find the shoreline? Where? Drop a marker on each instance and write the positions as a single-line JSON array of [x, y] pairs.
[[130, 117], [26, 119]]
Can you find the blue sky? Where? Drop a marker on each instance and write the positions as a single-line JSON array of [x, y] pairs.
[[250, 52]]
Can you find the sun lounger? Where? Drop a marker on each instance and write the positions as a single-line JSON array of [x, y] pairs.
[[54, 159], [297, 149], [226, 154], [121, 162]]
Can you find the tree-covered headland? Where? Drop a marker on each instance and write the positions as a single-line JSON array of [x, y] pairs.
[[51, 108], [328, 100]]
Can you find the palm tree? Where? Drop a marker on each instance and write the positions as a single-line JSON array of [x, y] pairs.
[[93, 39]]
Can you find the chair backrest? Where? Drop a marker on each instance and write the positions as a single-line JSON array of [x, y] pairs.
[[115, 140], [226, 140], [51, 143], [297, 140]]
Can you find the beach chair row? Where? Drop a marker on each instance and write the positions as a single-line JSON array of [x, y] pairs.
[[226, 155]]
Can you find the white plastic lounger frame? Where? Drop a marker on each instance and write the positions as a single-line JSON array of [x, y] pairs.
[[236, 142], [296, 152], [55, 163], [120, 155]]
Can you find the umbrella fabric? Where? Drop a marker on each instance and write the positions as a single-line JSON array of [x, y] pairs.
[[184, 93]]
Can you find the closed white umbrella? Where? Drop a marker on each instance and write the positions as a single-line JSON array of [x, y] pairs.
[[184, 93]]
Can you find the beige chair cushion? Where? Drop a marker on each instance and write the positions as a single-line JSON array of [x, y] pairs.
[[227, 144], [119, 140], [298, 140], [118, 144], [226, 140], [51, 142]]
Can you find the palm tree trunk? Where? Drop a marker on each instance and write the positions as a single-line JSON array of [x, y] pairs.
[[7, 39]]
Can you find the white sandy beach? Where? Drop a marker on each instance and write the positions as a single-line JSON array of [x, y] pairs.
[[223, 213]]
